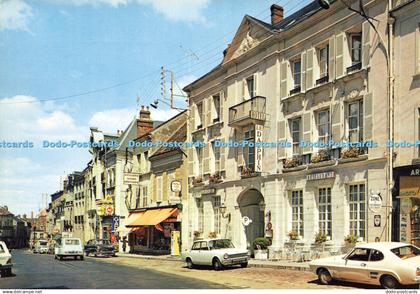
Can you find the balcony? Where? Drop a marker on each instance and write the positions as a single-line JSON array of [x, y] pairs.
[[322, 80], [247, 112], [354, 67]]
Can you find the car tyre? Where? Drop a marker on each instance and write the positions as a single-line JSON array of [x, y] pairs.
[[324, 277], [217, 265], [2, 273], [55, 256], [190, 264], [81, 257], [244, 265], [8, 272], [60, 257], [389, 282]]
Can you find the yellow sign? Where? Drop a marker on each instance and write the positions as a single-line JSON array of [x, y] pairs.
[[100, 210], [410, 186]]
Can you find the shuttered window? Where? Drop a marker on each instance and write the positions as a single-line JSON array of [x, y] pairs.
[[217, 214], [323, 126], [297, 212], [296, 73], [355, 121], [249, 152], [356, 48], [323, 61], [296, 132]]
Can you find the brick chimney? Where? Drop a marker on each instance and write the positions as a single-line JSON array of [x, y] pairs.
[[276, 14], [144, 123]]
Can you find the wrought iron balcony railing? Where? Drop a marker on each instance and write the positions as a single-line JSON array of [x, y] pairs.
[[354, 67], [322, 80], [296, 90]]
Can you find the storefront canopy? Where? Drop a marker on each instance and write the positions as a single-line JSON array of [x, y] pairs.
[[152, 217]]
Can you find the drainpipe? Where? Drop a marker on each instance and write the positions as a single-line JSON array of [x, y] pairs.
[[391, 21]]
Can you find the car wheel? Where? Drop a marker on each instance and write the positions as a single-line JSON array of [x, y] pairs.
[[244, 265], [217, 265], [190, 264], [55, 256], [324, 277], [81, 257], [389, 282], [60, 257], [2, 273], [9, 272], [95, 254]]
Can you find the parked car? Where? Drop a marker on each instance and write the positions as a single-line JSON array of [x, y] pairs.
[[100, 248], [69, 247], [215, 252], [5, 261], [41, 246], [389, 264]]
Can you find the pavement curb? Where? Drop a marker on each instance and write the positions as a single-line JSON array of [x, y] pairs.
[[250, 264]]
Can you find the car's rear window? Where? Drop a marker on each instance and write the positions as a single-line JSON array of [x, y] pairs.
[[43, 243], [405, 252], [72, 242]]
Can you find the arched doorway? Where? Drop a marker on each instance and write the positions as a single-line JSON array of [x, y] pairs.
[[251, 205]]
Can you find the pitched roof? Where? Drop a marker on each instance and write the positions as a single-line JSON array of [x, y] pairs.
[[179, 136]]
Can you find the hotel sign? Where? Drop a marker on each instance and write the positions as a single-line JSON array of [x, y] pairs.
[[320, 176], [131, 178], [208, 191], [258, 147]]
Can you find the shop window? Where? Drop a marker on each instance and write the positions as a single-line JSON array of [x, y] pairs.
[[355, 121], [325, 216], [357, 203], [297, 212]]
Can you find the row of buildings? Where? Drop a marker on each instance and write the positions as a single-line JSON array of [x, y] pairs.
[[330, 74], [15, 230]]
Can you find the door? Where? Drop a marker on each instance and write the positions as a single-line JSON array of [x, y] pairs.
[[194, 252], [356, 266]]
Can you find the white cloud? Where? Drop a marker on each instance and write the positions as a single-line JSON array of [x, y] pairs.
[[37, 121], [163, 114], [112, 120], [15, 15]]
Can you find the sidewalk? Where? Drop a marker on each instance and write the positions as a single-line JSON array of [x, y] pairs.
[[281, 264]]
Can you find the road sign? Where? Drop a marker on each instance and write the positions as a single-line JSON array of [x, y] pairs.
[[246, 221], [109, 210]]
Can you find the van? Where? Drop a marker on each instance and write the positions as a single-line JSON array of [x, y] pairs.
[[69, 247]]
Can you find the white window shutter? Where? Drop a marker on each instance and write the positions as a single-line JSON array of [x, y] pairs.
[[283, 79], [339, 55], [222, 100], [222, 156], [208, 111], [281, 136], [336, 122], [307, 131], [239, 152], [331, 58], [303, 71], [367, 117], [365, 44], [206, 158], [310, 54], [256, 85]]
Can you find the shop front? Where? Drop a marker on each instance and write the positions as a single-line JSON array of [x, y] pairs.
[[155, 231], [407, 204]]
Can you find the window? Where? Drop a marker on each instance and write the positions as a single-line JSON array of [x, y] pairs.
[[216, 102], [323, 62], [249, 152], [356, 48], [217, 214], [357, 202], [355, 121], [145, 196], [359, 254], [171, 178], [297, 212], [325, 216], [296, 73], [216, 153], [196, 246], [200, 115], [296, 134], [376, 255], [405, 252], [200, 219], [159, 190], [199, 151], [323, 126], [250, 85]]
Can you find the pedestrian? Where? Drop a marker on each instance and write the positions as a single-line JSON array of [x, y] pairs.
[[124, 241]]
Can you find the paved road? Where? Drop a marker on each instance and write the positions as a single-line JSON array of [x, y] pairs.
[[44, 272]]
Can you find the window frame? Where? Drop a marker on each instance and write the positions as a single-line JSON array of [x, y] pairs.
[[296, 74], [359, 117], [325, 210], [323, 64], [296, 150], [352, 49], [297, 210], [323, 138], [217, 221], [355, 211]]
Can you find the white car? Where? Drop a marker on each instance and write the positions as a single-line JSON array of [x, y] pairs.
[[69, 247], [215, 252], [5, 261], [389, 264], [41, 246]]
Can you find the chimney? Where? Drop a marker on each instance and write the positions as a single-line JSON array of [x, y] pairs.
[[144, 123], [276, 14]]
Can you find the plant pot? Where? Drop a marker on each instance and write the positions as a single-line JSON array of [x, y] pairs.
[[261, 254]]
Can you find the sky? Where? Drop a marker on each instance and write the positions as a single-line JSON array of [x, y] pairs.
[[67, 65]]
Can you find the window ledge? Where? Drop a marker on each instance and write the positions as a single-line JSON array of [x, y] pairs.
[[322, 164], [292, 96], [215, 124], [353, 159], [293, 169]]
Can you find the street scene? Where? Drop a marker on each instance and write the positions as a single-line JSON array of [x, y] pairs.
[[137, 154]]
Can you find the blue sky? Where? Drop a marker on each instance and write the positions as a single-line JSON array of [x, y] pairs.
[[55, 48]]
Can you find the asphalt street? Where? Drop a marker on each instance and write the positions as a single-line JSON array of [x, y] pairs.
[[37, 271]]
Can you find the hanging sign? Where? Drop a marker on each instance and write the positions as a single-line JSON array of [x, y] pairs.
[[375, 202], [258, 147], [176, 186]]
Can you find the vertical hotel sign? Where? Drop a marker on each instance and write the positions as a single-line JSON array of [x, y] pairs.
[[258, 147]]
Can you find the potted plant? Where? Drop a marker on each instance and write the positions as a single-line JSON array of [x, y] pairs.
[[197, 235], [320, 157], [212, 235], [290, 163], [293, 235], [246, 172], [260, 246], [197, 181], [350, 241], [350, 153], [320, 238], [215, 178]]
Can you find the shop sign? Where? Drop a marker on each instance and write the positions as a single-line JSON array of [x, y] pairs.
[[246, 221], [258, 147], [208, 191], [100, 210], [115, 223], [320, 176], [131, 178], [377, 220], [409, 186], [176, 186], [109, 210], [375, 202]]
